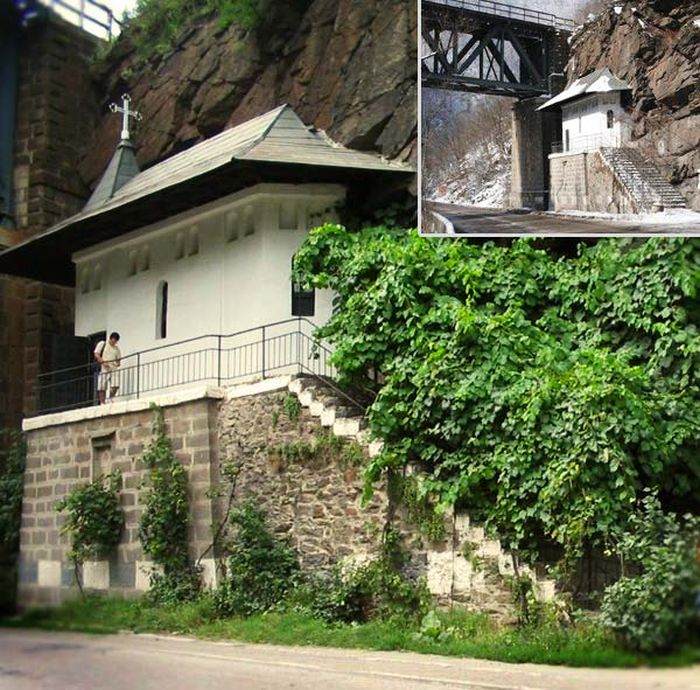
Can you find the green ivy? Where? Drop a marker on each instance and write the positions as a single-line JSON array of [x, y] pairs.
[[260, 569], [539, 387], [94, 519], [321, 450], [657, 609], [406, 490], [165, 520], [13, 454]]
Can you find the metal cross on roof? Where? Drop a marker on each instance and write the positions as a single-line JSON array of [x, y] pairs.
[[126, 114]]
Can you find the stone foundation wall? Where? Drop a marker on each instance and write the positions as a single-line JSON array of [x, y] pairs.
[[313, 502], [583, 182], [62, 456], [311, 499]]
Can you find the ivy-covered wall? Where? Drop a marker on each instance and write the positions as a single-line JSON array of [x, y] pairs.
[[308, 481]]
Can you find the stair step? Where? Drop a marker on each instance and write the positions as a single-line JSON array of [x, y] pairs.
[[350, 426], [641, 178]]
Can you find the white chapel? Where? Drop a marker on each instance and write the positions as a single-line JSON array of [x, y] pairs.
[[593, 112], [190, 260]]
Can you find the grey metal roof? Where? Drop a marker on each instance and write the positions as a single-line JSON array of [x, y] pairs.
[[120, 170], [600, 81], [278, 136], [276, 146]]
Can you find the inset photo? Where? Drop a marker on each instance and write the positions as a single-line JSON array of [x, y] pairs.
[[562, 118]]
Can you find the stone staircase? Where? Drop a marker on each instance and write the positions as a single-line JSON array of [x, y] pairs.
[[467, 578], [644, 183]]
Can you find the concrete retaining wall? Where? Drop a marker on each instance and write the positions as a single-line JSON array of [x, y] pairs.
[[583, 182]]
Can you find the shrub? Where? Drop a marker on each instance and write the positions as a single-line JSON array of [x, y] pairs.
[[12, 460], [261, 569], [95, 518], [359, 593], [655, 610]]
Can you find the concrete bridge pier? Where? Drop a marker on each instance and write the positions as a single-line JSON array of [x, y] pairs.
[[534, 133]]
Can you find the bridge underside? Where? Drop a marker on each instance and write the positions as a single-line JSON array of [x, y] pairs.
[[485, 53]]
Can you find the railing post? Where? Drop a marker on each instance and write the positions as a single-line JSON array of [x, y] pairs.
[[299, 344], [138, 375], [263, 351], [218, 349]]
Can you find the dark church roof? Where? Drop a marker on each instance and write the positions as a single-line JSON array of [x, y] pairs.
[[274, 147], [120, 170]]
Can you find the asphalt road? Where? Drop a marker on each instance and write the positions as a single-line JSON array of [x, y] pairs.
[[36, 660], [498, 222]]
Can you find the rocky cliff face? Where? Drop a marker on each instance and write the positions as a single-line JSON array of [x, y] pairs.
[[654, 45], [346, 66]]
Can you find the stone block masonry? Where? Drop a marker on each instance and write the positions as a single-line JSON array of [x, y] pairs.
[[311, 498], [63, 455], [313, 502], [57, 111]]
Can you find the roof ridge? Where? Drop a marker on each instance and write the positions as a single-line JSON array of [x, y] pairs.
[[262, 136]]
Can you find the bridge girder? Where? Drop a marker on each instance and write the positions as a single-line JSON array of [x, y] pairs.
[[500, 55]]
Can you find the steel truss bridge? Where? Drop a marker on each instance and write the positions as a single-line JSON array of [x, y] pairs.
[[492, 48]]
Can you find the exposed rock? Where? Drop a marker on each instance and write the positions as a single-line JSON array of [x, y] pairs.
[[346, 66], [654, 45]]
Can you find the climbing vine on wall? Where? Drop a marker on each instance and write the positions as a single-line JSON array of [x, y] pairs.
[[94, 519], [541, 388], [12, 461], [165, 519]]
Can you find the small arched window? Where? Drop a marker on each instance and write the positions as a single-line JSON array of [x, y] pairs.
[[567, 142], [179, 246], [303, 300], [85, 281], [162, 310], [611, 119]]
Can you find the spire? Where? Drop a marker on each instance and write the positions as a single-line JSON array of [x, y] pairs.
[[123, 165]]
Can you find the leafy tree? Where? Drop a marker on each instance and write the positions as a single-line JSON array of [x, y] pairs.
[[542, 391], [656, 610]]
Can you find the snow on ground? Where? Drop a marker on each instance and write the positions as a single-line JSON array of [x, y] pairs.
[[493, 194], [674, 216]]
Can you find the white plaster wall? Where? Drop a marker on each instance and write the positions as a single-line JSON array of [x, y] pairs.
[[239, 279], [586, 121]]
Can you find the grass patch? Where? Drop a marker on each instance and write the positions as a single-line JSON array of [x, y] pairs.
[[468, 634]]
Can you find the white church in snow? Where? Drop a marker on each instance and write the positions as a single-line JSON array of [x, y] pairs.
[[190, 260], [593, 112], [596, 167]]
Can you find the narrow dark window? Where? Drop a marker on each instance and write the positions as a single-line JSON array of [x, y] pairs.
[[611, 119], [162, 310], [567, 140], [303, 301]]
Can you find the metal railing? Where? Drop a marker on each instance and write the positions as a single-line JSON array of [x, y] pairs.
[[589, 142], [515, 12], [89, 15], [283, 347]]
